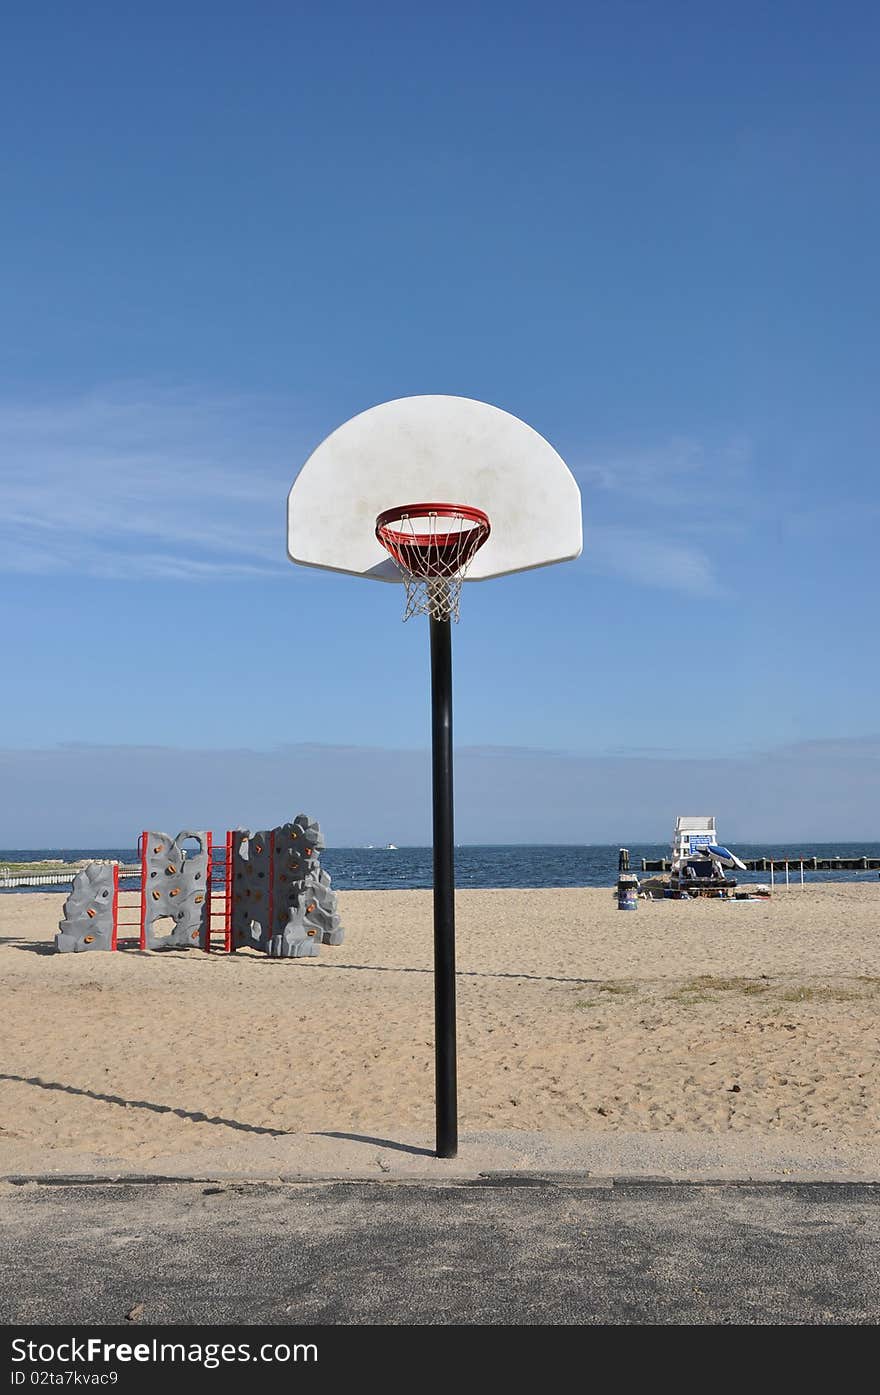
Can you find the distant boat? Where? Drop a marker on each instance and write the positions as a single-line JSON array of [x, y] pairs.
[[391, 847]]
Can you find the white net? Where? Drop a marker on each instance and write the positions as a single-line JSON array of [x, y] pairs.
[[439, 599], [433, 550]]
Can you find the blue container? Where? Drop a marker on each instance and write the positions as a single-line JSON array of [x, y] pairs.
[[627, 893]]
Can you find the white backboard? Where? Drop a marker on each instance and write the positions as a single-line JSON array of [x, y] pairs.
[[450, 450]]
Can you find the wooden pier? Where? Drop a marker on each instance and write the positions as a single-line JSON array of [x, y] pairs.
[[779, 864], [57, 878]]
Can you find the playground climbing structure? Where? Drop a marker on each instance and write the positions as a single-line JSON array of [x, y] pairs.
[[282, 903], [90, 911], [192, 891]]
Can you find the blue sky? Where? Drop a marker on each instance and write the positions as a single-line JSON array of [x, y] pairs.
[[649, 230]]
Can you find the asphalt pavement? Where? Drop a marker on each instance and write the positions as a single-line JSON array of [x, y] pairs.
[[497, 1249]]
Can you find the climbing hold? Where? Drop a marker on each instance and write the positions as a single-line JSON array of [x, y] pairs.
[[87, 916], [275, 921], [181, 871]]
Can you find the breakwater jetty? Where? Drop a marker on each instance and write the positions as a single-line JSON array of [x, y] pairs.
[[779, 864], [63, 877]]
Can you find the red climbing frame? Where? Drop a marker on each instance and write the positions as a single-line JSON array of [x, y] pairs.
[[223, 866], [230, 844], [219, 888], [115, 905], [142, 943], [270, 929], [137, 907], [206, 942]]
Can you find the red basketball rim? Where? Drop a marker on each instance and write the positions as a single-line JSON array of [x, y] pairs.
[[394, 536]]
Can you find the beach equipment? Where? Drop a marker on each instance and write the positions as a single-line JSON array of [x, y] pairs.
[[698, 859], [363, 504], [724, 856]]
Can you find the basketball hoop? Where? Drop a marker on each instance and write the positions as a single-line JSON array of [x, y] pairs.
[[433, 545], [429, 447]]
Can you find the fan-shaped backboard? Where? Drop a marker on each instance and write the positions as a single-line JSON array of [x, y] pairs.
[[416, 449]]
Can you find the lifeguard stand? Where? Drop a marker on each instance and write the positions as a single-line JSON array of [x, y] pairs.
[[692, 832]]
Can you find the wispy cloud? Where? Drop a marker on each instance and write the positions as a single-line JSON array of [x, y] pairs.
[[680, 469], [637, 555], [140, 483], [653, 508]]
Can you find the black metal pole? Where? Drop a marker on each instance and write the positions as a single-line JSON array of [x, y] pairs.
[[444, 891]]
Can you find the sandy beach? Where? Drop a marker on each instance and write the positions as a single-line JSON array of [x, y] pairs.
[[752, 1020]]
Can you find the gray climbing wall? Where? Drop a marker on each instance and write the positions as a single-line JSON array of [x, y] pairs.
[[175, 885], [282, 903], [88, 911]]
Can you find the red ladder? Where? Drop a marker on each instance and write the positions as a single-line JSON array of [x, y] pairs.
[[131, 914], [219, 890], [129, 908]]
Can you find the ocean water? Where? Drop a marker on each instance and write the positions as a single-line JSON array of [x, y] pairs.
[[525, 865]]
